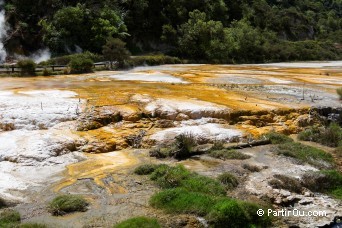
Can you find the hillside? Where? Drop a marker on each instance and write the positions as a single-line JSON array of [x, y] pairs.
[[219, 31]]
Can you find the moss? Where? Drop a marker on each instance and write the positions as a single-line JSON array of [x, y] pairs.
[[306, 154], [66, 204], [228, 154], [229, 180], [138, 222]]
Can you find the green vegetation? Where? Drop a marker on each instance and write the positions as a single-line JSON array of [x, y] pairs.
[[305, 154], [138, 222], [218, 31], [192, 193], [329, 136], [64, 204], [178, 176], [152, 60], [251, 168], [9, 218], [79, 64], [229, 180], [115, 50], [285, 182], [339, 92], [326, 181], [277, 138], [28, 67], [228, 154], [145, 169], [3, 203]]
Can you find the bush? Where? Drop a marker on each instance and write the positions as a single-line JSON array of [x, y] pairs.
[[329, 136], [80, 64], [252, 168], [228, 154], [285, 182], [229, 180], [326, 181], [138, 222], [67, 203], [65, 60], [182, 201], [172, 177], [339, 92], [277, 138], [184, 144], [46, 72], [9, 217], [305, 154], [145, 169], [28, 67]]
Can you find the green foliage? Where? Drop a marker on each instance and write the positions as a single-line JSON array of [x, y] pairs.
[[228, 154], [182, 201], [115, 50], [277, 138], [237, 214], [9, 218], [229, 180], [339, 92], [138, 222], [152, 60], [65, 60], [329, 136], [178, 176], [306, 154], [286, 182], [79, 65], [326, 181], [64, 204], [145, 169], [184, 144], [28, 67]]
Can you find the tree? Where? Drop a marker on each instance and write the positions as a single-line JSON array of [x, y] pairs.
[[115, 50]]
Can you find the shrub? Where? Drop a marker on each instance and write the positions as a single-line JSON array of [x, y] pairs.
[[145, 169], [67, 203], [339, 92], [9, 217], [228, 154], [326, 181], [138, 222], [46, 72], [285, 182], [182, 201], [28, 67], [229, 180], [184, 144], [306, 154], [171, 177], [80, 64], [277, 138], [65, 60], [252, 168], [218, 145], [329, 136], [3, 203]]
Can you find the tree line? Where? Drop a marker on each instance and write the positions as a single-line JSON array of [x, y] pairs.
[[217, 31]]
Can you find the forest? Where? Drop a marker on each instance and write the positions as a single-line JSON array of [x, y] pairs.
[[210, 31]]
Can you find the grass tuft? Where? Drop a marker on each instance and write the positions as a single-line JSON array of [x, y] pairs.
[[328, 136], [229, 180], [285, 182], [138, 222], [306, 154], [277, 138], [145, 169], [339, 92], [66, 204], [228, 155], [9, 218]]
